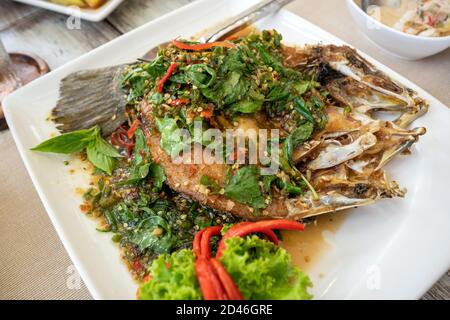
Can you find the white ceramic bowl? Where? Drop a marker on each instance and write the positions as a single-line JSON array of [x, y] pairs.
[[400, 44]]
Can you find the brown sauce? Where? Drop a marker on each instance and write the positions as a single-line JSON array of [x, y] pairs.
[[308, 246]]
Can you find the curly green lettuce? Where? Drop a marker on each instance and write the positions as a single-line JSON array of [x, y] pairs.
[[260, 269], [264, 271], [173, 278]]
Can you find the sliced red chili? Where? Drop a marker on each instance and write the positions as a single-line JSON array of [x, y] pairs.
[[271, 236], [206, 239], [137, 265], [133, 128], [260, 226], [232, 37], [216, 282], [202, 46], [229, 286], [207, 113], [179, 102], [210, 285], [148, 277], [432, 20], [169, 72], [120, 139], [196, 245], [206, 285]]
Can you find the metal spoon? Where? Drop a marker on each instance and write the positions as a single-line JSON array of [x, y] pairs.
[[245, 18], [231, 25]]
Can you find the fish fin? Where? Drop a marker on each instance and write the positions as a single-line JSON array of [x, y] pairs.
[[91, 97]]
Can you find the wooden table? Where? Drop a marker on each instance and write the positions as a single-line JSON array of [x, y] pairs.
[[33, 263]]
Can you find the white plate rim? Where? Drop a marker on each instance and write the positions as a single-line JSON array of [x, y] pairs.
[[53, 216]]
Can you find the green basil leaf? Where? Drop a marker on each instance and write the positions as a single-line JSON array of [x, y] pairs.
[[267, 182], [210, 183], [300, 107], [158, 176], [157, 98], [201, 75], [234, 88], [138, 173], [142, 171], [141, 149], [297, 137], [144, 238], [302, 87], [172, 141], [67, 143], [99, 159], [104, 147], [247, 106], [244, 187], [280, 91]]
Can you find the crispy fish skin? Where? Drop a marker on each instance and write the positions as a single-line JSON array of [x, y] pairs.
[[185, 178]]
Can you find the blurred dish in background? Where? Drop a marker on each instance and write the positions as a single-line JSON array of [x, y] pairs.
[[92, 10], [401, 44], [80, 3], [24, 68], [426, 18]]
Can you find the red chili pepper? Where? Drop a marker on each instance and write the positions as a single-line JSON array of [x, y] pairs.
[[432, 20], [210, 285], [179, 102], [148, 277], [215, 281], [202, 46], [169, 72], [232, 37], [271, 236], [196, 246], [260, 226], [206, 285], [230, 287], [133, 128], [210, 280], [137, 265], [207, 113], [120, 138], [206, 239]]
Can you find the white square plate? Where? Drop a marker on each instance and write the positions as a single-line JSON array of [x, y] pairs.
[[84, 13], [394, 249]]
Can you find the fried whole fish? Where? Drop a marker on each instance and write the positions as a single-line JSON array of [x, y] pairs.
[[342, 161]]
